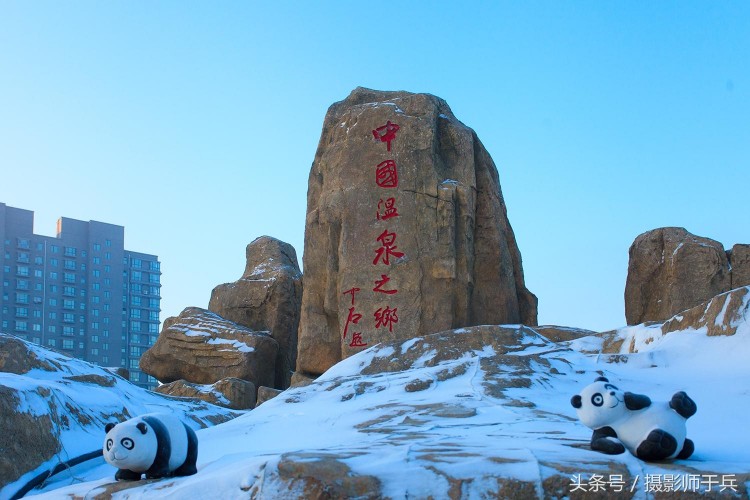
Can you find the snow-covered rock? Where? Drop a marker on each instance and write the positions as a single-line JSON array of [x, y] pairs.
[[480, 412], [54, 408]]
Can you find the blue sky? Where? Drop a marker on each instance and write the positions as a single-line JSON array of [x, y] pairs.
[[194, 124]]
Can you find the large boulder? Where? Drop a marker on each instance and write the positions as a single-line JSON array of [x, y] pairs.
[[739, 260], [406, 233], [671, 270], [267, 297], [201, 347]]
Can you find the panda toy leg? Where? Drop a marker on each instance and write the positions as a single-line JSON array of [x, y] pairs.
[[188, 468], [687, 449], [683, 405], [127, 475], [658, 445]]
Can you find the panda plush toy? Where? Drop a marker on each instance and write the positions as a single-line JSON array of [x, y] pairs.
[[158, 445], [620, 420]]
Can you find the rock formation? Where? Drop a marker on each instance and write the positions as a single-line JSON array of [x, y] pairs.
[[739, 261], [200, 347], [719, 316], [671, 270], [266, 393], [266, 298], [406, 231], [230, 392]]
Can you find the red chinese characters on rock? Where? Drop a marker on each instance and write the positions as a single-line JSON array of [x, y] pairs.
[[386, 133], [385, 318], [353, 319], [379, 284], [387, 249], [387, 209], [386, 174]]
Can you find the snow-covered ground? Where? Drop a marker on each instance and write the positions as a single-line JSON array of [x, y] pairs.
[[480, 412]]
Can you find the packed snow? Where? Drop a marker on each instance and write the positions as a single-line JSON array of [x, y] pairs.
[[473, 418]]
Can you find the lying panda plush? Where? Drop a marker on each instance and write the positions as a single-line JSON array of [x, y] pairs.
[[650, 431], [158, 445]]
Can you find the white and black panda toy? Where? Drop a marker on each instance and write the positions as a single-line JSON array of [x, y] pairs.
[[620, 420], [155, 444]]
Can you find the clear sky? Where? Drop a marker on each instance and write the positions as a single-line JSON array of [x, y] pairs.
[[194, 124]]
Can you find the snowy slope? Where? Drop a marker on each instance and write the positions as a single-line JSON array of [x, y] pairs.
[[480, 412], [76, 399]]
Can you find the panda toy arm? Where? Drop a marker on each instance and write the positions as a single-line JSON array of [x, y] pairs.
[[636, 401], [605, 440]]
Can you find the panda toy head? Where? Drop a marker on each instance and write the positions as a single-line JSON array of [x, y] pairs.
[[599, 404], [130, 445]]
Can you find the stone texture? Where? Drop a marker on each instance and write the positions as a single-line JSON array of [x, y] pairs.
[[266, 393], [267, 297], [721, 315], [201, 347], [461, 265], [301, 380], [671, 270], [557, 333], [230, 392], [739, 259]]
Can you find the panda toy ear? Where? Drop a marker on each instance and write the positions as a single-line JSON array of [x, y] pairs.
[[142, 427], [109, 427], [602, 379], [576, 401]]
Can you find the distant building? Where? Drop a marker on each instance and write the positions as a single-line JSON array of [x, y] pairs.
[[81, 292]]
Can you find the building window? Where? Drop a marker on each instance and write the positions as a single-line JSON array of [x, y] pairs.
[[70, 252], [136, 276], [69, 331], [69, 291], [96, 273], [23, 243], [136, 263], [69, 318], [95, 299], [23, 257], [67, 344], [153, 328], [97, 260], [135, 326], [38, 261], [54, 248], [37, 312], [135, 313], [36, 327], [22, 312], [153, 315], [22, 270], [22, 284], [108, 243], [22, 298], [52, 342], [70, 264], [154, 265], [38, 273], [53, 262], [107, 294], [52, 329], [134, 366], [108, 256], [53, 315], [52, 275], [107, 268], [97, 247], [94, 338], [21, 326], [94, 351], [69, 304], [135, 300], [107, 281]]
